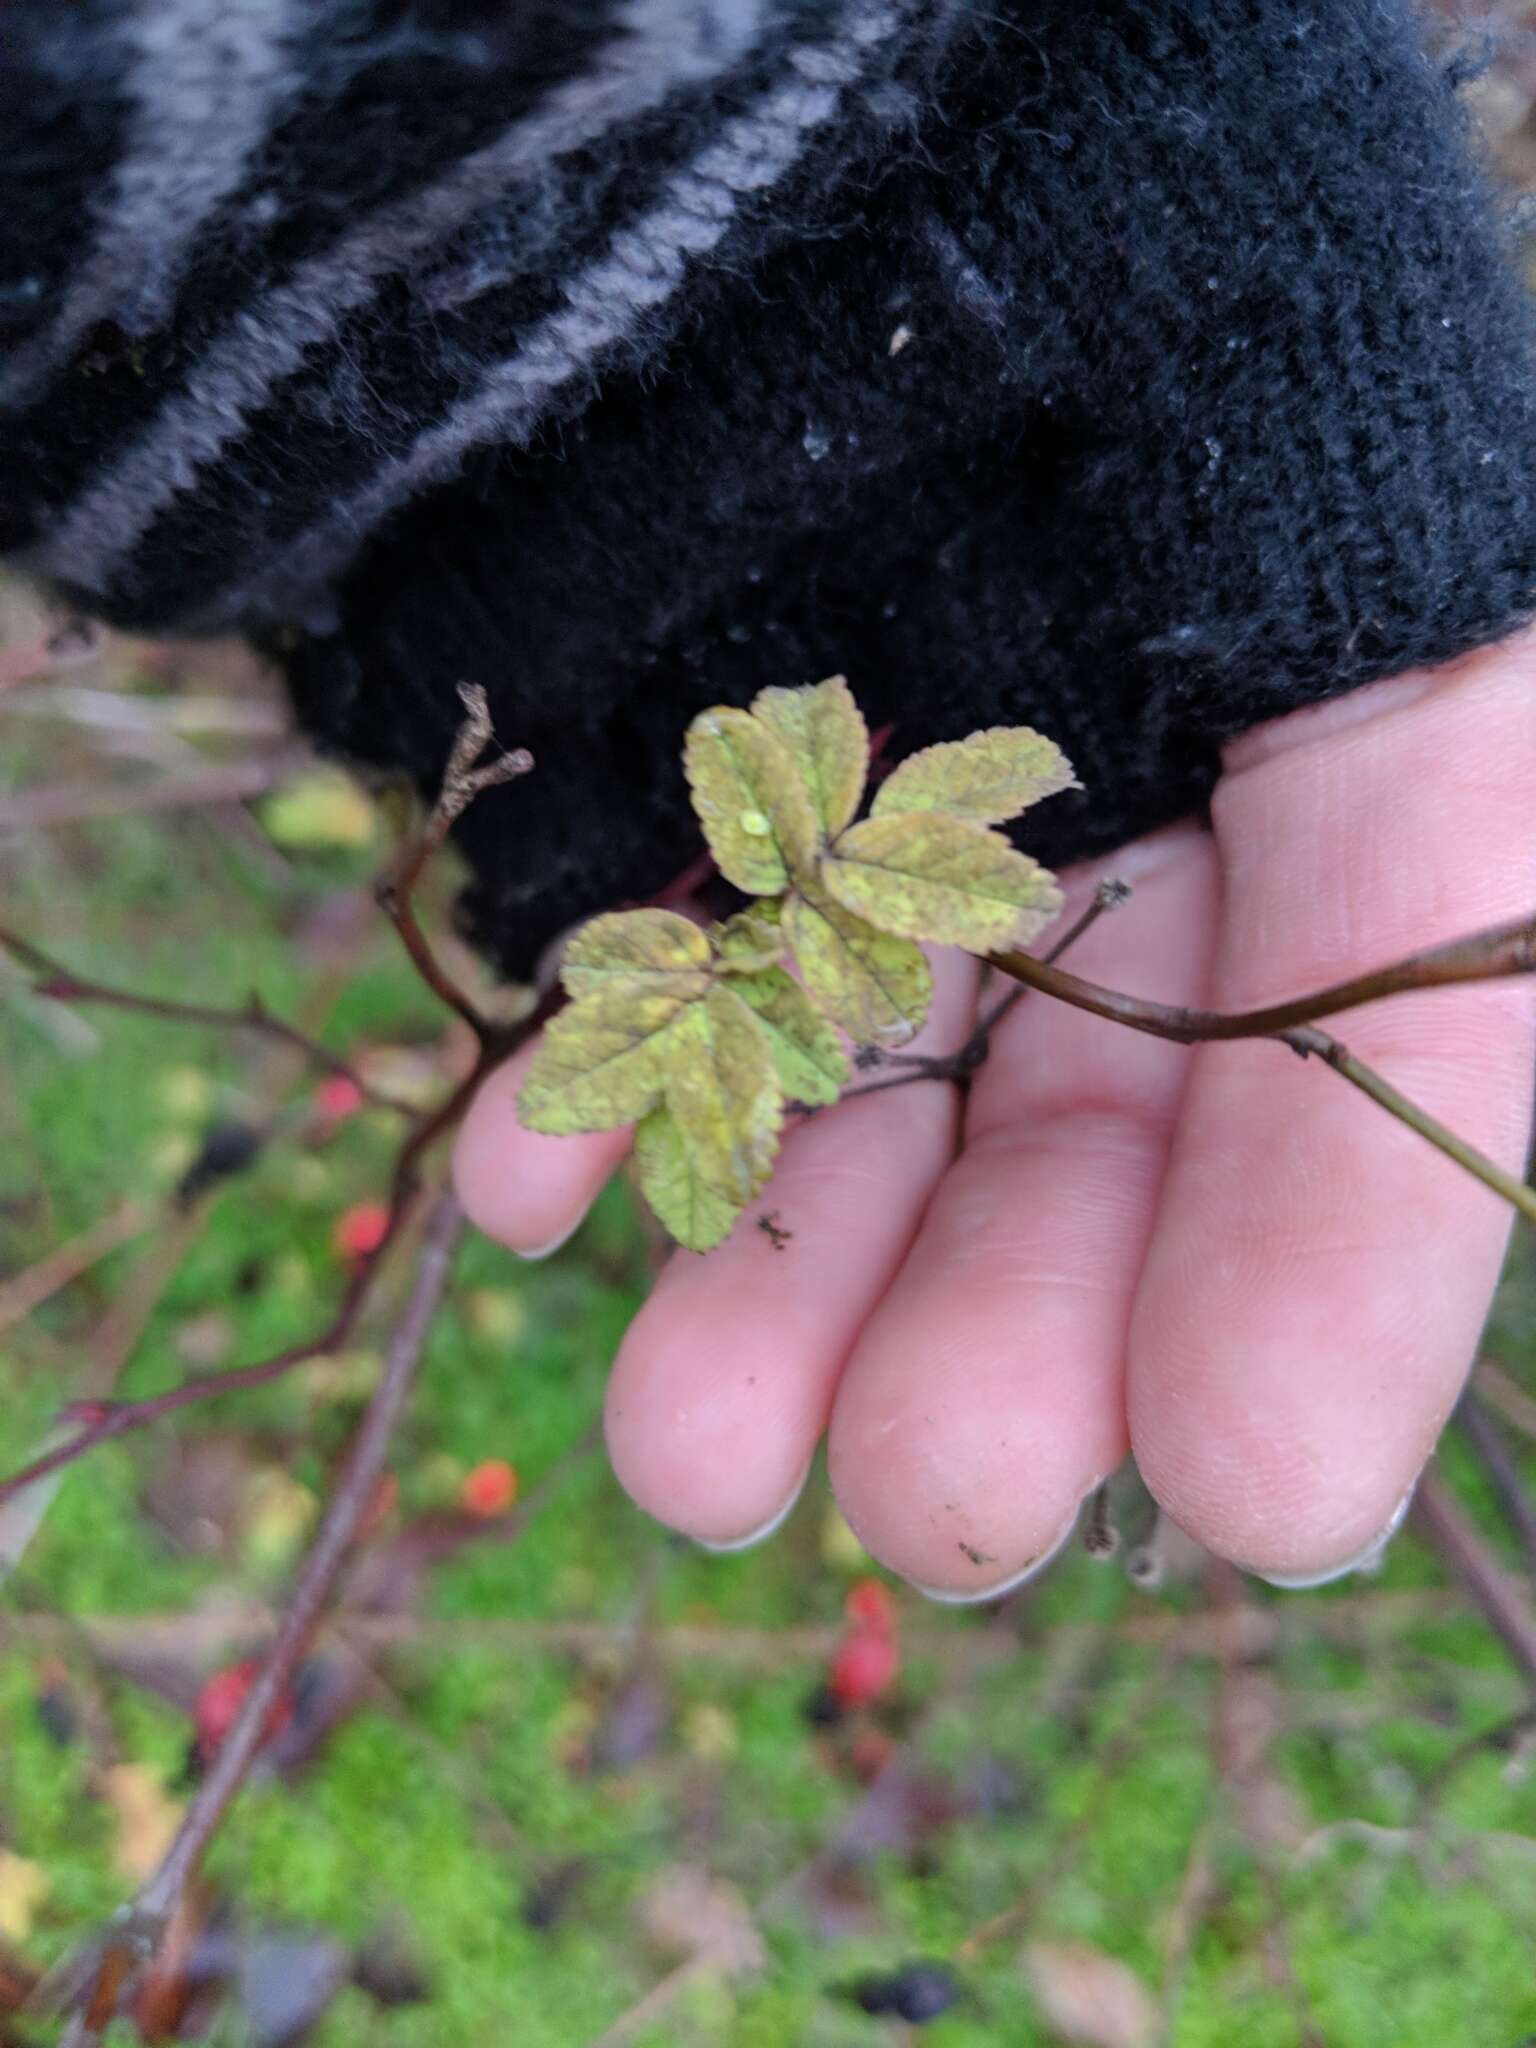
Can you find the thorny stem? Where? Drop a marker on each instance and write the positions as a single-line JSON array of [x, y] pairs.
[[56, 984], [462, 782], [1486, 956], [145, 1920]]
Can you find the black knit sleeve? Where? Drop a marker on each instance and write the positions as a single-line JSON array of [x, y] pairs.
[[1138, 371]]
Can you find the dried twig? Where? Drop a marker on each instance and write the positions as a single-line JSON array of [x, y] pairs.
[[143, 1923], [55, 982], [1482, 1433], [1500, 1391], [69, 803], [26, 1291], [101, 1422], [1447, 1525], [462, 782]]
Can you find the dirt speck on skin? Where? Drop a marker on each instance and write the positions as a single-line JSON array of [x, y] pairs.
[[768, 1223], [977, 1556]]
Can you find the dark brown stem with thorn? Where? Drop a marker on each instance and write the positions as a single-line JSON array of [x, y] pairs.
[[1485, 956], [56, 984], [145, 1920]]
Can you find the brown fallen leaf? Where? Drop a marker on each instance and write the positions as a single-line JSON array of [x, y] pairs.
[[1089, 1998], [698, 1918]]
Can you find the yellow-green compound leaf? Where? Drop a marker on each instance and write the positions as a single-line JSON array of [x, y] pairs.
[[989, 777], [806, 1050], [876, 987], [633, 947], [692, 1212], [751, 939], [753, 805], [723, 1089], [927, 875], [825, 731], [603, 1060]]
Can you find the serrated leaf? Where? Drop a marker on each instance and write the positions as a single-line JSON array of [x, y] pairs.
[[603, 1060], [875, 986], [754, 807], [632, 947], [810, 1060], [752, 939], [927, 875], [723, 1089], [690, 1211], [825, 731], [988, 777]]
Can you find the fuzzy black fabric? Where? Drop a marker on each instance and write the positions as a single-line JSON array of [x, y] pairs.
[[1137, 372]]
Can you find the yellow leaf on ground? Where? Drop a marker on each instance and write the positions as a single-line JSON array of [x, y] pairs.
[[147, 1817], [320, 810], [23, 1886]]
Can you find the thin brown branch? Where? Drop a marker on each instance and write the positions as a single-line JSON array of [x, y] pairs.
[[1445, 1523], [1500, 1391], [1497, 1460], [144, 1922], [1246, 1723], [1110, 894], [960, 1066], [1491, 955], [1485, 956], [102, 1422], [56, 983], [1308, 1040], [26, 1291], [70, 803]]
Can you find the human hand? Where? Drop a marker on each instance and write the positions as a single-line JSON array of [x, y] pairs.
[[1218, 1257]]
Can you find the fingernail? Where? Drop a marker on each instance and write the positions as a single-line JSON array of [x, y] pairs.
[[547, 1251], [771, 1527], [1366, 1559], [949, 1596]]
